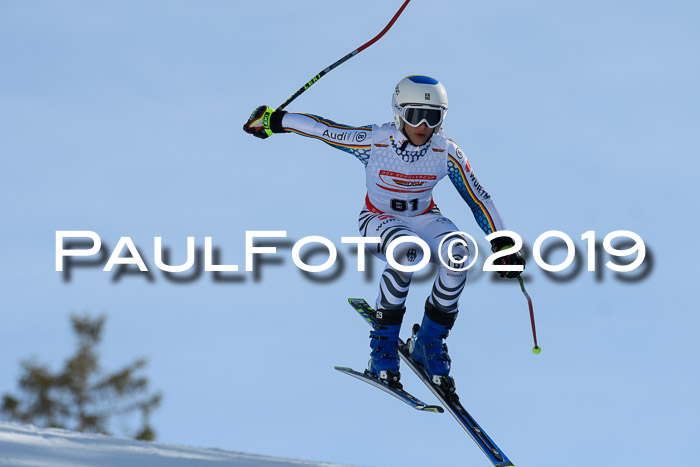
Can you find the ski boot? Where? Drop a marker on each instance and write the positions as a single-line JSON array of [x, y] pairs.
[[384, 358], [427, 348]]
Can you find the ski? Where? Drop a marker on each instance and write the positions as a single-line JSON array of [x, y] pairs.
[[444, 392], [400, 394]]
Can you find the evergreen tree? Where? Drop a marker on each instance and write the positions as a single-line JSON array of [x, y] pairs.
[[80, 396]]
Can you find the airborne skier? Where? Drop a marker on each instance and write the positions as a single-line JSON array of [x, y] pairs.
[[403, 162]]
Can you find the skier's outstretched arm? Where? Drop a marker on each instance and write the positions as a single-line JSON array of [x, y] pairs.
[[478, 199], [356, 140], [481, 204]]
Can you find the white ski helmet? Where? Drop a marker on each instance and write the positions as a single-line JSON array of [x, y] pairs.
[[418, 99]]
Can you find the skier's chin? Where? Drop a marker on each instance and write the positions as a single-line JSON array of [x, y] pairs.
[[419, 139]]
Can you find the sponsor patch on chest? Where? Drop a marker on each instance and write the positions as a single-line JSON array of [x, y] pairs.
[[406, 183]]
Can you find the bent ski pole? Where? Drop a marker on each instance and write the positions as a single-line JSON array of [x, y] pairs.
[[345, 58], [536, 349]]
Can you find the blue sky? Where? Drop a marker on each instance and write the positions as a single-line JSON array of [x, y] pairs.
[[125, 119]]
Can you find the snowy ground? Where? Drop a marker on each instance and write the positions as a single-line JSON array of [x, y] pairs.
[[29, 446]]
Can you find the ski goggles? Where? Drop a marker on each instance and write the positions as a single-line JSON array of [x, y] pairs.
[[414, 115]]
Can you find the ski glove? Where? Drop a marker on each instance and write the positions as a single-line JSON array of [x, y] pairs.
[[264, 121], [513, 259]]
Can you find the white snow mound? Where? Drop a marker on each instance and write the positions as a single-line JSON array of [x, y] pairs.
[[29, 446]]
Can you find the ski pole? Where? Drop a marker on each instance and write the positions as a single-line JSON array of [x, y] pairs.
[[536, 349], [345, 58]]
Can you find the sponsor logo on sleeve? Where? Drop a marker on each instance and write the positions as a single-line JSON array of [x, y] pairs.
[[339, 136], [477, 187], [463, 160]]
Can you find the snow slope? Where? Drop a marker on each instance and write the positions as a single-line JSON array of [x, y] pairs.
[[29, 446]]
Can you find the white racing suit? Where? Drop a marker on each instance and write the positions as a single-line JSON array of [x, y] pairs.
[[400, 179]]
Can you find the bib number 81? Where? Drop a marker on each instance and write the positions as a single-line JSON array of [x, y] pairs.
[[402, 205]]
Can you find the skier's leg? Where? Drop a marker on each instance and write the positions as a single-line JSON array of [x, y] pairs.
[[427, 346], [449, 282], [441, 305], [394, 283], [393, 289]]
